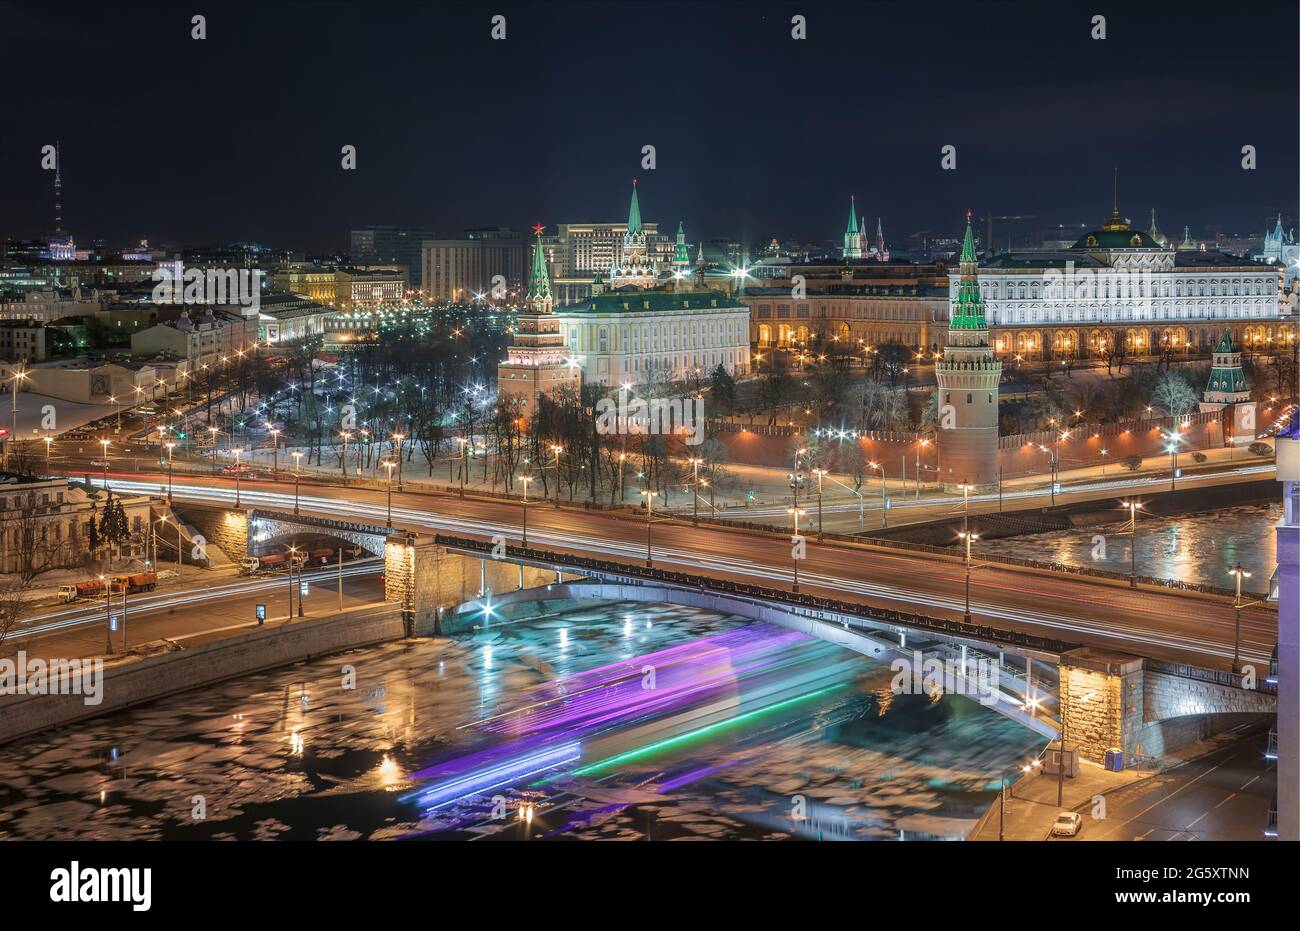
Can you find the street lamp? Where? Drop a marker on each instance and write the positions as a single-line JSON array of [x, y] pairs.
[[275, 450], [525, 479], [398, 437], [169, 447], [557, 450], [695, 490], [919, 445], [389, 466], [884, 494], [17, 376], [1174, 439], [344, 465], [820, 473], [1133, 508], [796, 513], [967, 537], [108, 613], [237, 453], [48, 441], [1240, 572], [649, 496], [297, 472], [104, 460]]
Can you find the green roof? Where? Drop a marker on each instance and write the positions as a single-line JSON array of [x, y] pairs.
[[1225, 343], [1116, 239], [853, 216]]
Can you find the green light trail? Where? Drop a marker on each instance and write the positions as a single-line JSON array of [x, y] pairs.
[[699, 732]]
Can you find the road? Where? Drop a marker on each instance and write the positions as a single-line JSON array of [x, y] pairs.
[[1160, 624], [1224, 795], [193, 614]]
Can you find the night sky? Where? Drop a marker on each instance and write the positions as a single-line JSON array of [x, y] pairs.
[[237, 137]]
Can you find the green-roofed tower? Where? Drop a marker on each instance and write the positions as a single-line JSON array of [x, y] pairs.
[[634, 213], [1227, 381], [538, 297], [681, 258], [1226, 391], [968, 378], [632, 265], [537, 361], [852, 238]]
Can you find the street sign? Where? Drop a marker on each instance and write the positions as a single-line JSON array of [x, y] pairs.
[[261, 613], [112, 622], [302, 589]]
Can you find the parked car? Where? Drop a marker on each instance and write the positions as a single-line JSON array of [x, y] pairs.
[[243, 471], [101, 463], [1067, 824]]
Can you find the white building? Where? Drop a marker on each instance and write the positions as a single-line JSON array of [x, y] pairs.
[[627, 336], [1117, 282]]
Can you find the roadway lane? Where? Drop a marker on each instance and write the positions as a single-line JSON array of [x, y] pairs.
[[193, 615], [1166, 625], [1221, 796]]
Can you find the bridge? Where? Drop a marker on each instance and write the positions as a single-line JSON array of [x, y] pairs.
[[1063, 662]]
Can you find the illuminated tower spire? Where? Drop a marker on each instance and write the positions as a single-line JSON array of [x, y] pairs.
[[852, 241], [968, 380], [681, 258], [538, 298]]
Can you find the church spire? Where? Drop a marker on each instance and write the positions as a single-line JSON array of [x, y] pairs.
[[968, 308], [1188, 244], [681, 258], [852, 240], [1155, 233], [634, 213], [538, 298], [58, 191]]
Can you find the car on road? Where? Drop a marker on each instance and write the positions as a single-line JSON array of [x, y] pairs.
[[102, 463], [1067, 824], [244, 472]]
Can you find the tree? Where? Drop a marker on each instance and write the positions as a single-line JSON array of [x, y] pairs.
[[889, 362], [13, 605], [722, 391], [1174, 395], [113, 528]]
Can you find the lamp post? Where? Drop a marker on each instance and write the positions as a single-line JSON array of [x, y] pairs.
[[1133, 508], [919, 445], [48, 441], [884, 494], [1174, 439], [397, 438], [695, 491], [796, 513], [557, 450], [820, 473], [525, 479], [649, 496], [621, 493], [169, 447], [293, 557], [275, 450], [344, 464], [389, 466], [13, 412], [212, 436], [237, 453], [967, 537], [108, 614], [297, 473], [104, 459], [1240, 572]]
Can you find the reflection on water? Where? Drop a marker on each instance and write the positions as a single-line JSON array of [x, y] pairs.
[[1197, 548], [613, 720]]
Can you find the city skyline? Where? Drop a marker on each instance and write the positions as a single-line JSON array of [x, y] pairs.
[[1172, 102]]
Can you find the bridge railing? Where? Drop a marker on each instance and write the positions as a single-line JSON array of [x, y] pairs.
[[809, 603], [1232, 680]]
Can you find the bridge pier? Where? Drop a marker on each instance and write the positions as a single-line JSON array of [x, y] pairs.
[[426, 580], [1148, 708]]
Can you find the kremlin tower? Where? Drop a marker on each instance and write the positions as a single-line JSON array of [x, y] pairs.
[[536, 361], [968, 380], [852, 238], [633, 265]]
